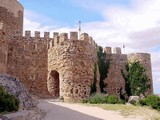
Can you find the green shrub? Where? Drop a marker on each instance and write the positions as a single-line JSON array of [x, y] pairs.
[[134, 102], [142, 102], [102, 98], [97, 99], [85, 101], [112, 99], [152, 101], [8, 103], [120, 101]]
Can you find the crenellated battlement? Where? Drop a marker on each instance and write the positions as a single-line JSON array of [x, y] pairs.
[[40, 41], [109, 50], [65, 37]]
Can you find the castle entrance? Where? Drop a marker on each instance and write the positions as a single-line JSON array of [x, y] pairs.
[[53, 84]]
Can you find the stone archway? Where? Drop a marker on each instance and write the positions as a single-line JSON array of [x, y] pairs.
[[53, 84]]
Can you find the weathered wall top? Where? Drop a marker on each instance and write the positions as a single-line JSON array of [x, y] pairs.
[[13, 6], [116, 50], [57, 38]]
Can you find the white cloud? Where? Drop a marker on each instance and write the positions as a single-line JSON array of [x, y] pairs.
[[43, 19], [138, 27], [156, 83], [158, 80], [95, 5]]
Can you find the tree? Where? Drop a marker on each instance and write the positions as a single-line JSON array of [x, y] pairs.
[[137, 82]]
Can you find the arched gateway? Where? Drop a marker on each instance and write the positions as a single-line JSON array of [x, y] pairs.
[[53, 84]]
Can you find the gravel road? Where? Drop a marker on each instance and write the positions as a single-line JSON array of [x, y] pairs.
[[67, 111]]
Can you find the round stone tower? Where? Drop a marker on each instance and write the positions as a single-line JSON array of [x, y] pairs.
[[70, 67], [11, 20], [145, 60], [11, 14]]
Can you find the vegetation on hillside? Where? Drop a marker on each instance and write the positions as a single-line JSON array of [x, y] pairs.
[[8, 103], [145, 113], [103, 99], [152, 101]]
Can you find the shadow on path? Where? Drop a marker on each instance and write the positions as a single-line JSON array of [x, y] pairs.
[[56, 112]]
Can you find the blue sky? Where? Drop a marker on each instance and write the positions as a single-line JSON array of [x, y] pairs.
[[70, 11], [135, 23]]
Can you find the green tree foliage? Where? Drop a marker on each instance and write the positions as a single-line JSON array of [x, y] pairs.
[[137, 82], [8, 103], [103, 67]]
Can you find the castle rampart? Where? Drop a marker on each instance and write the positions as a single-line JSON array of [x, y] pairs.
[[108, 50], [31, 57], [27, 60], [62, 66], [73, 60], [117, 62], [116, 50], [3, 47]]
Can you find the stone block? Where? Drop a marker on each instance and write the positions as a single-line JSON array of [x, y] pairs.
[[73, 35], [117, 50]]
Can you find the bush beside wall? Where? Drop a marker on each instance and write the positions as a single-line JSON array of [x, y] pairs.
[[8, 103]]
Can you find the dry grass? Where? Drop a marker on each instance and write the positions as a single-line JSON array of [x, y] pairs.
[[130, 110]]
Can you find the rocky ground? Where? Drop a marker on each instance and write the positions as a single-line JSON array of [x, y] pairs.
[[15, 87]]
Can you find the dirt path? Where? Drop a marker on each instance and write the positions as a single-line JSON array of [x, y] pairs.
[[66, 111]]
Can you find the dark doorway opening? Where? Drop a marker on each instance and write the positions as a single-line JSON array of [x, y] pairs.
[[53, 84]]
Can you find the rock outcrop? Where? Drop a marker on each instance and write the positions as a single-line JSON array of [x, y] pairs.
[[3, 118], [133, 99], [16, 88]]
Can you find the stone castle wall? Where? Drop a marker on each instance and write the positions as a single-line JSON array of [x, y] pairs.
[[74, 60], [37, 60], [115, 81], [11, 20], [3, 48], [61, 66], [11, 14], [27, 60], [117, 62]]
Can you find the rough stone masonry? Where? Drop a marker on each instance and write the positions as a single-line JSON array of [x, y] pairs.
[[61, 66]]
